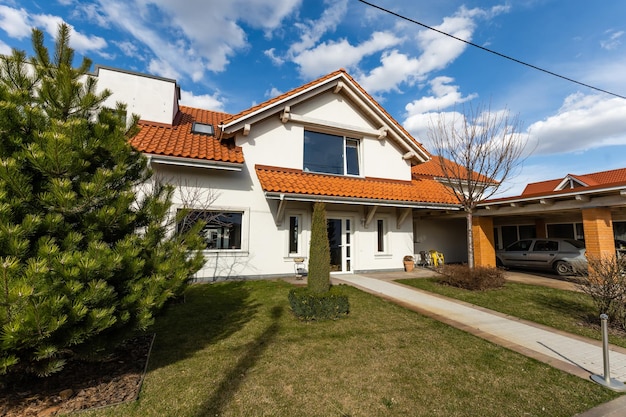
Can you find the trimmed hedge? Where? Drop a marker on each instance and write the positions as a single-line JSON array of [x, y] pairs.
[[479, 278], [308, 306]]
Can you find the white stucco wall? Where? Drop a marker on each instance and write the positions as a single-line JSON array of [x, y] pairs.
[[264, 250], [152, 98], [274, 143]]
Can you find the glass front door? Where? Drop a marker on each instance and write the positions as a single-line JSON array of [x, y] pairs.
[[340, 242]]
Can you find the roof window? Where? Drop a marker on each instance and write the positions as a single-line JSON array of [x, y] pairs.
[[203, 129]]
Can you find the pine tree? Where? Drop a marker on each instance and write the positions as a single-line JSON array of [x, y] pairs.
[[84, 258], [319, 252]]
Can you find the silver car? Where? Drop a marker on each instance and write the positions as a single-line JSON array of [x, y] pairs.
[[563, 256]]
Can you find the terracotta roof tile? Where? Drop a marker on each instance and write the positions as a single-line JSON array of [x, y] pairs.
[[293, 181], [432, 169], [596, 180], [177, 139]]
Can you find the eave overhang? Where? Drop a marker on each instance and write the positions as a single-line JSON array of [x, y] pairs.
[[194, 163], [359, 201], [606, 197], [339, 83]]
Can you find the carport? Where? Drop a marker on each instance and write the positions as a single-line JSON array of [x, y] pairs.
[[589, 207]]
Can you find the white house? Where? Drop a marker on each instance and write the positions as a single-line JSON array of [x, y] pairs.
[[255, 175]]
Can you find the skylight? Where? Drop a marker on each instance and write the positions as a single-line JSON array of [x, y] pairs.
[[203, 129]]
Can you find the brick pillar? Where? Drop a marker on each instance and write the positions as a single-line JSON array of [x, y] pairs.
[[598, 228], [540, 228], [484, 247]]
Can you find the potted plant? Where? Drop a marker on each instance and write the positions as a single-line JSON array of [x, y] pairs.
[[409, 263]]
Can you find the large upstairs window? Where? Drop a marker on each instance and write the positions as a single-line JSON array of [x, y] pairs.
[[330, 154]]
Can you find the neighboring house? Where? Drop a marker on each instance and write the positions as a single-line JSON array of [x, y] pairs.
[[254, 176], [590, 207]]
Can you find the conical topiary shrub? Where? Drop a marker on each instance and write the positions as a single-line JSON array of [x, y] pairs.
[[319, 301], [319, 252]]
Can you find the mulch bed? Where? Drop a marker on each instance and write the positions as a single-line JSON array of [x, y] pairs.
[[80, 385]]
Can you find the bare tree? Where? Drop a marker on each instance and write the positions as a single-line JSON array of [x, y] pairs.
[[477, 151]]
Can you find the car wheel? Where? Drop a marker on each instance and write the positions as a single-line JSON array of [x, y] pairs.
[[563, 268]]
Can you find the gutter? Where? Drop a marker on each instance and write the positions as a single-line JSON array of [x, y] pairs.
[[621, 189], [194, 163], [362, 201]]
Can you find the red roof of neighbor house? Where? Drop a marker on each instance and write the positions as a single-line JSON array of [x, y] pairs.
[[433, 169], [294, 181], [595, 180], [308, 85], [177, 139]]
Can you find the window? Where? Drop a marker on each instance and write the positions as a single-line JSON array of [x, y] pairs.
[[380, 230], [202, 129], [221, 231], [546, 246], [294, 232], [330, 154], [522, 245]]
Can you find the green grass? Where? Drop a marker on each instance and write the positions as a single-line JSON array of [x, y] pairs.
[[235, 349], [569, 311]]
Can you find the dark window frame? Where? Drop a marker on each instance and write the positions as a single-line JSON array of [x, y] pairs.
[[328, 153], [203, 129], [223, 230]]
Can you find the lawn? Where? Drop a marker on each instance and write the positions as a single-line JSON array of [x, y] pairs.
[[234, 349], [570, 311]]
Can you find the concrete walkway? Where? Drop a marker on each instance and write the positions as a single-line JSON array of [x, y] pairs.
[[571, 353]]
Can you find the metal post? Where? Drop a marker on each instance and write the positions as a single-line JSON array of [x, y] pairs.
[[613, 384]]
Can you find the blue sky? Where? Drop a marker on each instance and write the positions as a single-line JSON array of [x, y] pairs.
[[232, 54]]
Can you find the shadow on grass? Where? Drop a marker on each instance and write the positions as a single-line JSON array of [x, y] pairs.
[[572, 306], [228, 388], [210, 313]]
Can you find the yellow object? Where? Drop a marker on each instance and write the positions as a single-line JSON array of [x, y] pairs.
[[437, 258]]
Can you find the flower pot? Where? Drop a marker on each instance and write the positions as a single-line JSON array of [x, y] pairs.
[[408, 266]]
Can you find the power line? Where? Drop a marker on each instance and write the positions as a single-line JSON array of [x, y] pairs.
[[490, 50]]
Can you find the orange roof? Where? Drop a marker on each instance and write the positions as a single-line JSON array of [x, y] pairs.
[[177, 139], [294, 181], [433, 169], [321, 80], [596, 180]]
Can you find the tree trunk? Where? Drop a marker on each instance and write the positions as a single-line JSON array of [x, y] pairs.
[[470, 240]]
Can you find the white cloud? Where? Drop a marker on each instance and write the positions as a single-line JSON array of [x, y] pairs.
[[5, 49], [18, 24], [583, 122], [202, 35], [423, 112], [80, 42], [613, 40], [444, 95], [15, 22], [271, 54], [163, 69], [330, 56], [396, 68], [202, 101], [313, 30], [273, 92], [128, 48], [437, 51]]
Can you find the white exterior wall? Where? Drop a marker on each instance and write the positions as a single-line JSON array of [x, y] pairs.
[[276, 144], [152, 98], [264, 250]]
